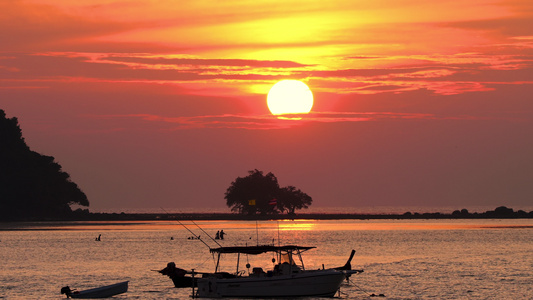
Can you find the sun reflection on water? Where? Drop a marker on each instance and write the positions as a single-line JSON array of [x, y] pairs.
[[271, 225], [297, 226]]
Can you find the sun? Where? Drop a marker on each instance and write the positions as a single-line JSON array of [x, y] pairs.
[[290, 97]]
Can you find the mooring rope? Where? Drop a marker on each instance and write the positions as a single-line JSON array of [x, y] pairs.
[[362, 290]]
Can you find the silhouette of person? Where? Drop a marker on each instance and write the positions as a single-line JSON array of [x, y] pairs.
[[98, 238], [217, 236], [222, 233]]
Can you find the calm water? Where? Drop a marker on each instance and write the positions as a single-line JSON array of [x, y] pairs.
[[426, 259]]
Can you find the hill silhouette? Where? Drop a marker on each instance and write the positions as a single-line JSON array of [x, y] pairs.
[[32, 185]]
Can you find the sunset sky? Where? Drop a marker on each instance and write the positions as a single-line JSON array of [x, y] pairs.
[[150, 104]]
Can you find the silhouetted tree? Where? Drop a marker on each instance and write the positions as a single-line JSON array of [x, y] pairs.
[[258, 193], [291, 198], [463, 213], [252, 194], [32, 186], [503, 211]]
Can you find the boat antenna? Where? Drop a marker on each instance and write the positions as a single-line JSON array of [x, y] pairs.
[[257, 233], [206, 234], [279, 242], [196, 236]]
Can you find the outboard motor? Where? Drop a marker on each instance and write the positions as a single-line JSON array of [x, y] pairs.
[[66, 290], [177, 275]]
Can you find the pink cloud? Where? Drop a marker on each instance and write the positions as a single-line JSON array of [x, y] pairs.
[[27, 25], [267, 122]]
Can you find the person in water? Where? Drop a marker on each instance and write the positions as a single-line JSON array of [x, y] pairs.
[[222, 233], [217, 236]]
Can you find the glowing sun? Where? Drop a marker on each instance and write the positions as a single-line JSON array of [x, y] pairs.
[[290, 97]]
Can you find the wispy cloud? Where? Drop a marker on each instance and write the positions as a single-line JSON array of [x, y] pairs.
[[268, 122], [443, 74]]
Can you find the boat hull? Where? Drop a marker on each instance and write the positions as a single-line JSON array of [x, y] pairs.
[[319, 283], [102, 292], [183, 281]]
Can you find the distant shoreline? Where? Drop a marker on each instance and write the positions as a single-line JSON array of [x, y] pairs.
[[501, 212]]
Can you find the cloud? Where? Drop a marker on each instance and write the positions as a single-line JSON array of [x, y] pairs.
[[137, 67], [442, 74], [26, 25], [268, 122], [150, 59], [507, 26]]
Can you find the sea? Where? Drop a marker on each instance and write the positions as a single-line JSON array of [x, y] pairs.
[[401, 259]]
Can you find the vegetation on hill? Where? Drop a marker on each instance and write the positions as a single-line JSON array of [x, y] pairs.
[[32, 185]]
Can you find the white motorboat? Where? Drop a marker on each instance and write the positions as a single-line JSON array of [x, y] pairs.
[[99, 292], [286, 279]]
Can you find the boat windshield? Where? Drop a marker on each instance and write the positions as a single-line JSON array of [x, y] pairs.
[[284, 253], [287, 258]]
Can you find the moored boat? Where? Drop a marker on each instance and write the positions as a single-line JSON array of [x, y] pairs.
[[99, 292], [287, 278]]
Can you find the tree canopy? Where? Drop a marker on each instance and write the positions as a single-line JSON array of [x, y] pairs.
[[32, 186], [291, 199], [261, 194]]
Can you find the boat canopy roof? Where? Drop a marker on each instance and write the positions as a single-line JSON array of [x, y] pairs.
[[259, 249]]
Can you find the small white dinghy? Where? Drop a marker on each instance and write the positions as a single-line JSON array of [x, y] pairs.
[[100, 292]]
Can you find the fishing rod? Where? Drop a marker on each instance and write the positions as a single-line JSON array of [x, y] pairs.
[[206, 234], [196, 236]]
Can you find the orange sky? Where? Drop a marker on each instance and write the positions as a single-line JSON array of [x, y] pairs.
[[153, 104]]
